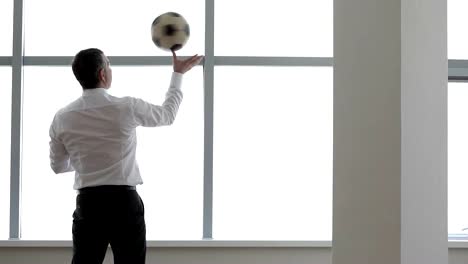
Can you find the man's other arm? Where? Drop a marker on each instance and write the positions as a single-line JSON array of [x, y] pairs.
[[59, 157]]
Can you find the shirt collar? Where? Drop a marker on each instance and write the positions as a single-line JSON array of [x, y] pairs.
[[94, 91]]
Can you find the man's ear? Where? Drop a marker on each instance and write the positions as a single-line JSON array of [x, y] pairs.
[[101, 75]]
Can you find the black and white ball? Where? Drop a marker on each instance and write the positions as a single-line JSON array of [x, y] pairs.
[[170, 31]]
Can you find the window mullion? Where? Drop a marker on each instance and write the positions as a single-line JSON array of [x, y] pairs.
[[208, 82], [16, 112]]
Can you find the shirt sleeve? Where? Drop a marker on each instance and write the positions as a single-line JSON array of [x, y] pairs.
[[59, 157], [150, 115]]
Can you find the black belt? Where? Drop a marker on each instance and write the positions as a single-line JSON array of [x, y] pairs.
[[106, 188]]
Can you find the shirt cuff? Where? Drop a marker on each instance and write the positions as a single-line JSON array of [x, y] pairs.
[[176, 80]]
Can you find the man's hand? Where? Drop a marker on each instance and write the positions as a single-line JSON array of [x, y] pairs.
[[183, 66]]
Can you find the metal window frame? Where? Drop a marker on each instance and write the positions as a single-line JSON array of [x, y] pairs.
[[16, 113], [458, 72], [208, 85]]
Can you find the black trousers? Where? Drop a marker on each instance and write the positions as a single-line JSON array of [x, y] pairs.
[[109, 215]]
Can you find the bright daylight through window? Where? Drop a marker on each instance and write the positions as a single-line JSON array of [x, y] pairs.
[[457, 20], [5, 110], [457, 170], [295, 28], [6, 28], [264, 124], [273, 154], [457, 128], [123, 30], [172, 193]]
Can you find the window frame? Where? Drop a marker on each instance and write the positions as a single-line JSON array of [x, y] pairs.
[[18, 61]]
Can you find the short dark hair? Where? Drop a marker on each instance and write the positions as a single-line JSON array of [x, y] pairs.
[[86, 66]]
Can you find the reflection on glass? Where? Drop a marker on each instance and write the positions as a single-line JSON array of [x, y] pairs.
[[170, 158], [116, 27], [273, 153], [274, 28], [5, 133], [6, 28], [457, 169]]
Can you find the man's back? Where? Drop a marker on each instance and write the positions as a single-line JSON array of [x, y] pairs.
[[98, 132]]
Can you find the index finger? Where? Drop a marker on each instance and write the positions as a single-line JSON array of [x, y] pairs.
[[174, 56], [193, 59]]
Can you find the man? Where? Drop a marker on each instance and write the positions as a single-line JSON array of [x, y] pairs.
[[95, 137]]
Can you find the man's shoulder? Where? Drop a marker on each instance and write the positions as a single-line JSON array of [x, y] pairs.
[[81, 104], [120, 98], [126, 99], [69, 107]]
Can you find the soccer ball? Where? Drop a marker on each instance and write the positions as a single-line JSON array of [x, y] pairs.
[[170, 31]]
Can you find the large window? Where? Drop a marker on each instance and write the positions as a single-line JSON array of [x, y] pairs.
[[249, 156], [5, 119]]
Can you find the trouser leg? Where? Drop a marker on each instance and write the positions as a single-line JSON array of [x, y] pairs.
[[90, 240], [128, 236]]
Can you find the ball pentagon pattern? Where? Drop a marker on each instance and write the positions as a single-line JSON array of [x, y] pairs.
[[170, 31]]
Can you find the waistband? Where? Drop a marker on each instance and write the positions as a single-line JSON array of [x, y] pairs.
[[106, 188]]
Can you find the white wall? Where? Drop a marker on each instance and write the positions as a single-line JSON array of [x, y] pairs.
[[367, 137], [390, 132]]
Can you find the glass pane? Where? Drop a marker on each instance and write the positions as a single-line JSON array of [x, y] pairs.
[[6, 27], [457, 20], [5, 133], [282, 28], [457, 169], [273, 153], [118, 27], [170, 158]]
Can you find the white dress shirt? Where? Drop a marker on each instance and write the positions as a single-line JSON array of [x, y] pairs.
[[95, 135]]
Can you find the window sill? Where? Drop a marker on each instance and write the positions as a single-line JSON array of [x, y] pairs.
[[202, 244], [183, 243], [458, 244]]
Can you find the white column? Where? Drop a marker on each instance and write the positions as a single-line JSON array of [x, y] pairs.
[[390, 132]]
